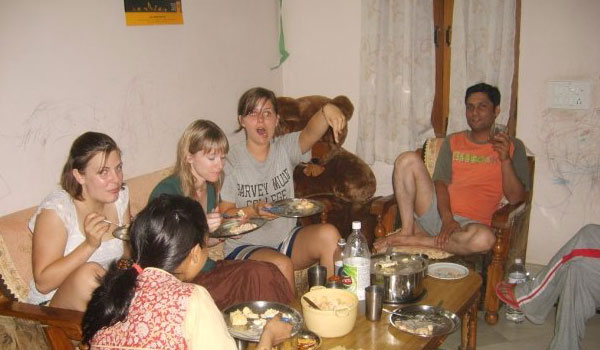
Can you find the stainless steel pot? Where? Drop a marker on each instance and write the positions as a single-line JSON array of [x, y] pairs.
[[402, 283]]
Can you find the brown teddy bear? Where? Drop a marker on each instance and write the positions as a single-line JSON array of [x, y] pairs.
[[333, 171]]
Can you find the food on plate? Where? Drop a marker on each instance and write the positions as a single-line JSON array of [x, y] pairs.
[[307, 343], [241, 213], [248, 313], [259, 322], [448, 272], [237, 318], [243, 228], [418, 327], [270, 313], [303, 204], [241, 317]]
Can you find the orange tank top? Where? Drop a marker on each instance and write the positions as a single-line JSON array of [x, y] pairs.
[[476, 187]]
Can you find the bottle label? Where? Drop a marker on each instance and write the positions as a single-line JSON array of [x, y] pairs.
[[517, 277], [357, 269]]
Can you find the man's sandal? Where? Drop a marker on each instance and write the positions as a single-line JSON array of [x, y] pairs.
[[506, 292]]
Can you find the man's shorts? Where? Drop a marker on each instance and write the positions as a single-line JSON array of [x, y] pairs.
[[244, 252], [431, 221]]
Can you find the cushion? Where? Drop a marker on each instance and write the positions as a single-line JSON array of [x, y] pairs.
[[431, 150], [141, 186], [15, 254]]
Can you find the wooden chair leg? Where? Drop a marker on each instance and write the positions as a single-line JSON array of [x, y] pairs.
[[468, 337], [495, 275], [472, 341], [464, 331]]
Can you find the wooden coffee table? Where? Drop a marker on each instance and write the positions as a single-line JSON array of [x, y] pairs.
[[459, 296]]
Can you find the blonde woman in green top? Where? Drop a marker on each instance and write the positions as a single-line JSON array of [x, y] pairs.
[[198, 174]]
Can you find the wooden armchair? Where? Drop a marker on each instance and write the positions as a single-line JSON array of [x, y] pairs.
[[509, 222]]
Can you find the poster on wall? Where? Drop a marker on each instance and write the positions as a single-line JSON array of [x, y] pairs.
[[151, 12]]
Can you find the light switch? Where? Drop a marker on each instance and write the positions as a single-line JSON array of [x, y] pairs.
[[569, 94]]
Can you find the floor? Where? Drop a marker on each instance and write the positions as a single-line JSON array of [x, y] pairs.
[[526, 335]]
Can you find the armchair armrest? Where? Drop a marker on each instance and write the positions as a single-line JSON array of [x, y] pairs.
[[505, 215], [63, 326], [385, 210]]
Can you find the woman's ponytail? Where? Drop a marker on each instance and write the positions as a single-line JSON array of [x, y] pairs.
[[110, 301]]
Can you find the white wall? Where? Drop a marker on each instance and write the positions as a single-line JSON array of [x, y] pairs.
[[69, 66], [323, 38], [559, 41]]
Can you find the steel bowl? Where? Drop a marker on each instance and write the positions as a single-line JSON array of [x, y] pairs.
[[404, 282]]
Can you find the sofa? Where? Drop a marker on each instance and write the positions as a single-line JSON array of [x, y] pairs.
[[61, 327], [344, 183]]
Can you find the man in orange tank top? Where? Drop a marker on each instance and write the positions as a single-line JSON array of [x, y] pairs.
[[452, 209]]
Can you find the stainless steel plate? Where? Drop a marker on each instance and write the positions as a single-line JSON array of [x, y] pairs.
[[225, 230], [251, 332], [295, 207], [413, 317]]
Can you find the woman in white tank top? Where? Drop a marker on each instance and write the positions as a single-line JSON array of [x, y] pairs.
[[72, 244]]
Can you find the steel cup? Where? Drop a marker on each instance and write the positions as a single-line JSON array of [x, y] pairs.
[[374, 302], [317, 276]]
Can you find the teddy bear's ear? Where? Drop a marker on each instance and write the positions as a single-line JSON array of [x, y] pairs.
[[344, 104], [289, 113]]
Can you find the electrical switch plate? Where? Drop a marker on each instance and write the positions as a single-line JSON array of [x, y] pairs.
[[569, 94]]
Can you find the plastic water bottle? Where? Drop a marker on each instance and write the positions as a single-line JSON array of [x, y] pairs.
[[357, 261], [339, 264], [516, 274]]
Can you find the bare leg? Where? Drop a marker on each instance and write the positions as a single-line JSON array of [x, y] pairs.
[[413, 189], [476, 238], [76, 291], [414, 193], [316, 243], [283, 263]]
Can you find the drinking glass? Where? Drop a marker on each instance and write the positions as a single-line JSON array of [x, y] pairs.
[[496, 129]]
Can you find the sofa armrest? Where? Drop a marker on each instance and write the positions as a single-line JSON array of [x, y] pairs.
[[68, 320]]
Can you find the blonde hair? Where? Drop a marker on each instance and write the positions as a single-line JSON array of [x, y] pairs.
[[200, 135]]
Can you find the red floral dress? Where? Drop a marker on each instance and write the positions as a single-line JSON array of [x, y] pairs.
[[156, 315]]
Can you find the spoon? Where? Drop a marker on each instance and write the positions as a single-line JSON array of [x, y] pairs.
[[311, 303], [439, 304], [120, 232]]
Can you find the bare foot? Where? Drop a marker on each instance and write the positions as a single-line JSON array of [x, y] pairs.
[[396, 239]]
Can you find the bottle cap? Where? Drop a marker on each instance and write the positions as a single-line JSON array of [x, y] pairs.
[[356, 225], [341, 241]]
